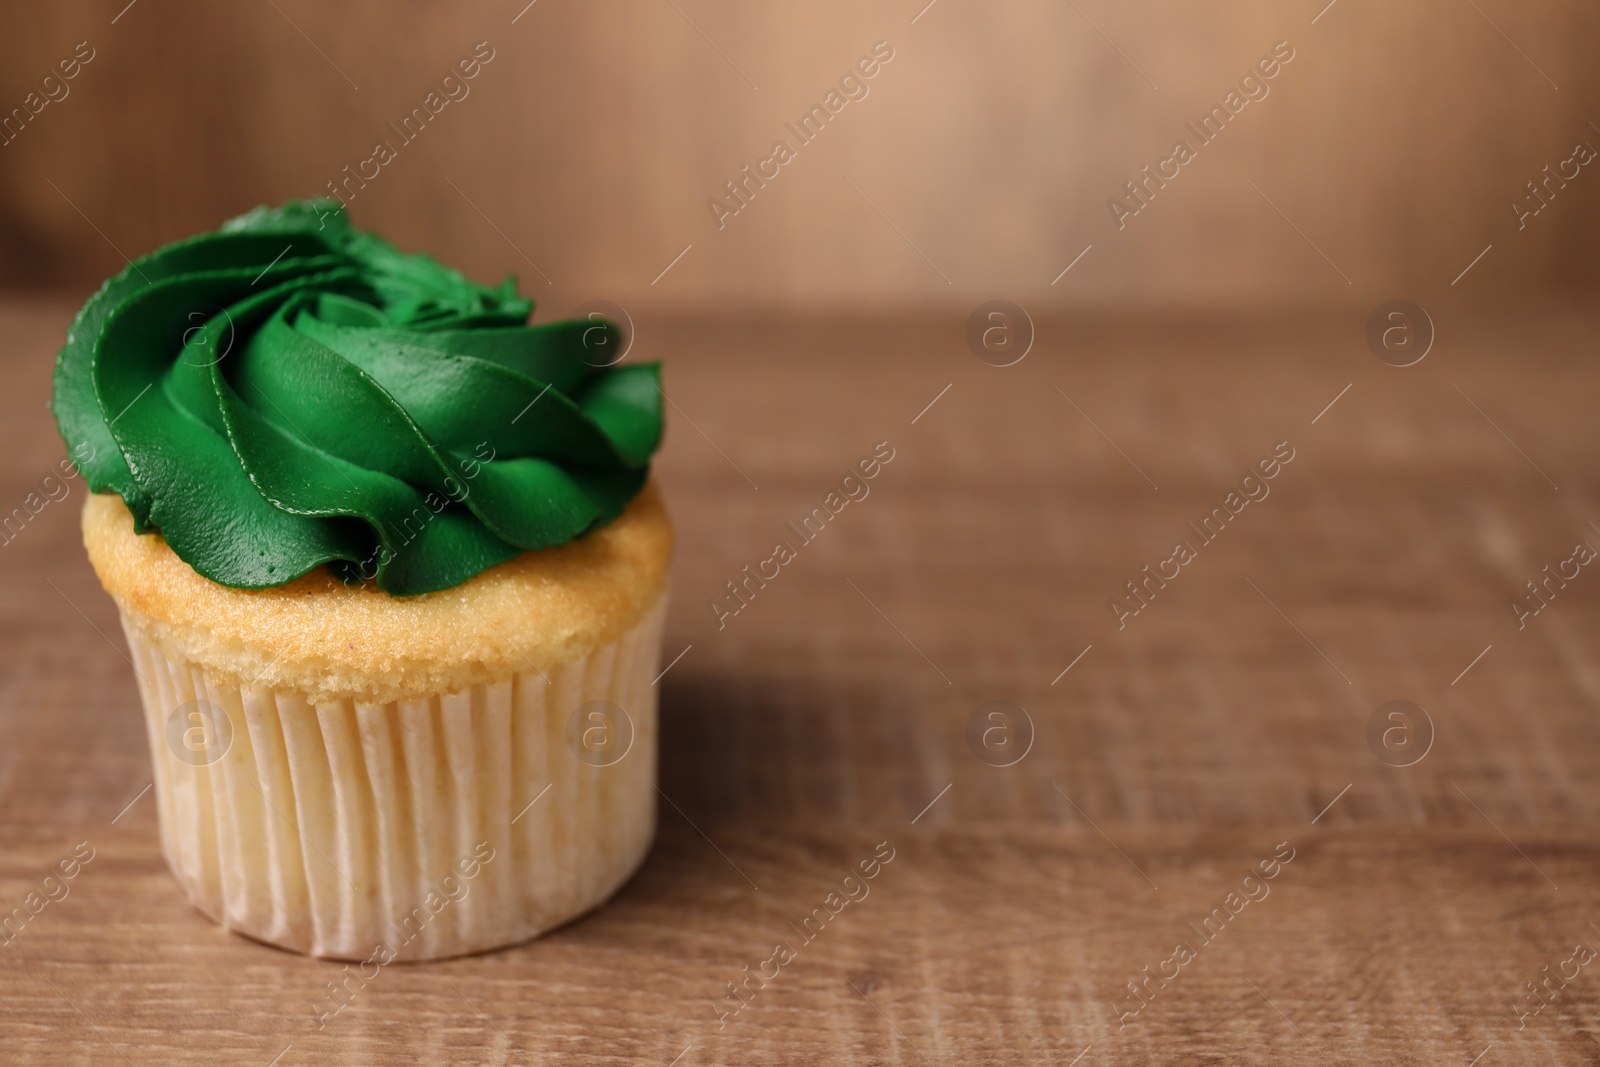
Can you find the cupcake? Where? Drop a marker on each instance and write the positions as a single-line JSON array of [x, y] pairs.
[[392, 575]]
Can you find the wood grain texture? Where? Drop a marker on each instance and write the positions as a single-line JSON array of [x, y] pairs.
[[587, 151], [830, 714]]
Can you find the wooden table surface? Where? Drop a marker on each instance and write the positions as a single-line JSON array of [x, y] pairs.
[[1224, 726]]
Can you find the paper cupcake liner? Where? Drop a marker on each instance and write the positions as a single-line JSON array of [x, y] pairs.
[[418, 829]]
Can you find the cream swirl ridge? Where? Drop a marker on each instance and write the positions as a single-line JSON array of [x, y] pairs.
[[289, 392]]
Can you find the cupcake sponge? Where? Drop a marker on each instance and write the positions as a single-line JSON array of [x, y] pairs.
[[331, 641]]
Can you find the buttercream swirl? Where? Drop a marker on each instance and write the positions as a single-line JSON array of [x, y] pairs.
[[289, 392]]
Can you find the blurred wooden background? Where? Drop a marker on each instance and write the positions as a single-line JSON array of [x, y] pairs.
[[589, 145]]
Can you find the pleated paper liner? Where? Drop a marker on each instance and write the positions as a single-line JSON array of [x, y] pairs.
[[420, 829]]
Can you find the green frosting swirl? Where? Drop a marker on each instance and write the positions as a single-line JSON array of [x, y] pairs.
[[289, 392]]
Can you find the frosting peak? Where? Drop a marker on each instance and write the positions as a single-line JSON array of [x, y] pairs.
[[289, 392]]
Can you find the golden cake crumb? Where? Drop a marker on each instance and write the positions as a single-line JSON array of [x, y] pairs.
[[331, 641]]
